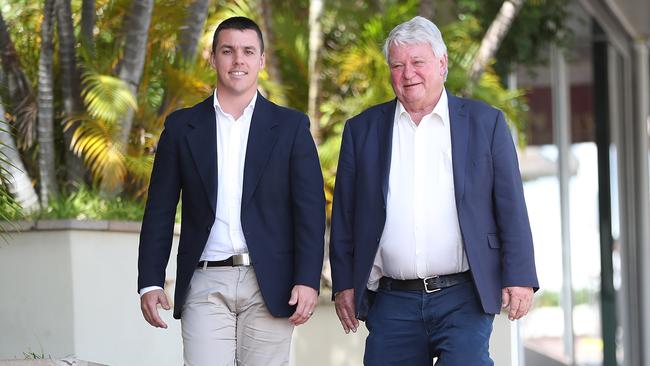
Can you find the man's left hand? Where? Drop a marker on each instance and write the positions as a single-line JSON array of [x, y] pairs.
[[305, 298], [518, 299]]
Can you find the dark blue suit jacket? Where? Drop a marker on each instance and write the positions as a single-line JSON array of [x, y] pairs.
[[283, 203], [489, 198]]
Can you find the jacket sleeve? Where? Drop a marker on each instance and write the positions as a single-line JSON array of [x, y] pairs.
[[341, 238], [518, 260], [308, 207], [158, 222]]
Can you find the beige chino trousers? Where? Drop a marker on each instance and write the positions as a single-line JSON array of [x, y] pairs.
[[225, 321]]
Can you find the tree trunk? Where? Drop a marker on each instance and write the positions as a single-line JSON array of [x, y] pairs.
[[315, 42], [46, 158], [494, 36], [19, 183], [189, 36], [131, 66], [88, 25], [426, 9], [21, 95], [272, 66], [71, 86]]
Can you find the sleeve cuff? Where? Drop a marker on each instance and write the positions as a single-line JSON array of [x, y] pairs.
[[149, 289]]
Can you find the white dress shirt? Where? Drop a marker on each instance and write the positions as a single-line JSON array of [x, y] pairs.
[[226, 235], [421, 236]]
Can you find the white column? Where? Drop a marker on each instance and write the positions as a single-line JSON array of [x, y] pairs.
[[642, 217], [562, 137]]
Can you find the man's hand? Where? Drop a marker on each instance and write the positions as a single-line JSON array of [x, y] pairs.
[[305, 298], [344, 303], [519, 299], [149, 306]]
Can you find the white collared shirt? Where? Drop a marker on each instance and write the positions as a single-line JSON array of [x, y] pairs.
[[421, 235], [226, 235]]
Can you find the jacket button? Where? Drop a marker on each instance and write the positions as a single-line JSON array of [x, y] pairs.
[[378, 238], [208, 228]]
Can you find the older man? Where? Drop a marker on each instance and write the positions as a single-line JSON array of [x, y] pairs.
[[430, 233]]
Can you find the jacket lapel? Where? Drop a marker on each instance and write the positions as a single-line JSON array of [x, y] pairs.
[[459, 125], [202, 141], [262, 137], [385, 134]]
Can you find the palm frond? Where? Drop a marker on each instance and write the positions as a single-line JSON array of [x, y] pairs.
[[9, 208], [106, 97], [96, 142]]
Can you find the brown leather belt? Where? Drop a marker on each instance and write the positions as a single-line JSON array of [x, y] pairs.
[[429, 284]]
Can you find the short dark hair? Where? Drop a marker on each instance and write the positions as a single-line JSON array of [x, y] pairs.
[[239, 23]]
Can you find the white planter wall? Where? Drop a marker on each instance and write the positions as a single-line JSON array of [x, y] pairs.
[[74, 293]]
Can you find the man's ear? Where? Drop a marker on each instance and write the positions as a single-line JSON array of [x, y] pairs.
[[212, 63], [443, 64], [263, 60]]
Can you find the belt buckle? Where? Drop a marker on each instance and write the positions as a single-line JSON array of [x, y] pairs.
[[426, 285], [242, 259]]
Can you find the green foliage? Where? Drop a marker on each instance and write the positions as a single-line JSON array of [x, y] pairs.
[[23, 18], [106, 97], [354, 75], [96, 136], [9, 208], [539, 23], [31, 355], [546, 298], [462, 42], [86, 204]]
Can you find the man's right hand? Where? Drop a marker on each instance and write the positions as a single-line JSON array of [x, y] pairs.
[[149, 306], [344, 303]]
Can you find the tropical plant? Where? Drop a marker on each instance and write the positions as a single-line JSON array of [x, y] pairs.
[[97, 132], [16, 188], [138, 60], [537, 24], [493, 37], [9, 208]]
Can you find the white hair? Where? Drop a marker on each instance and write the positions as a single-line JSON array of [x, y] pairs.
[[418, 30]]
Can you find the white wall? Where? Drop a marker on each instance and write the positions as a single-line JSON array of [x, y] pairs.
[[74, 292]]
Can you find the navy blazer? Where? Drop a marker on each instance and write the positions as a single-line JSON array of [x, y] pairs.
[[489, 199], [282, 209]]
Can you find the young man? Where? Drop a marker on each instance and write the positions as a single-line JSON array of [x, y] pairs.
[[253, 219]]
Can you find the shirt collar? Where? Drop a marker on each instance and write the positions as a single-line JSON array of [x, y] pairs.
[[441, 109], [249, 108]]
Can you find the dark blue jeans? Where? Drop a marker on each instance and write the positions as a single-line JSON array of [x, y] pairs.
[[410, 328]]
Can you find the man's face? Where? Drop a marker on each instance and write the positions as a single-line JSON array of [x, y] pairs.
[[416, 74], [237, 58]]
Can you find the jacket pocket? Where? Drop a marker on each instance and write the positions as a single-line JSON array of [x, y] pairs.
[[493, 241], [483, 159]]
